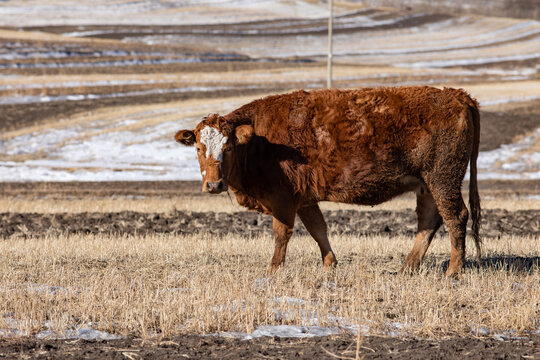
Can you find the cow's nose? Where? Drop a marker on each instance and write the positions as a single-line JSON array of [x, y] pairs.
[[214, 187]]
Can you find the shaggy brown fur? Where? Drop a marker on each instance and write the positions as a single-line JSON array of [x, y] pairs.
[[288, 152]]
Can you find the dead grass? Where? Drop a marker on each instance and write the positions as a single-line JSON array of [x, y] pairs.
[[222, 203], [165, 285]]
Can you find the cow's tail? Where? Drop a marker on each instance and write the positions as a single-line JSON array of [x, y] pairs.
[[474, 196]]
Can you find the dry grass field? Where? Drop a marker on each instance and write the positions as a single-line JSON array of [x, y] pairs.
[[169, 285], [165, 285], [223, 203]]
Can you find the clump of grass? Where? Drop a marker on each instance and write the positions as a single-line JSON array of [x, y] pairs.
[[169, 285]]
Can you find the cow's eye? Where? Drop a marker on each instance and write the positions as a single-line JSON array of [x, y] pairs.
[[198, 149], [227, 149]]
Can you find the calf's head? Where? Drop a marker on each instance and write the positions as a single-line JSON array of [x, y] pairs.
[[216, 141]]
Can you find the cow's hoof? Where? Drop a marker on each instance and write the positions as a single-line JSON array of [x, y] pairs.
[[330, 262], [272, 269], [452, 273]]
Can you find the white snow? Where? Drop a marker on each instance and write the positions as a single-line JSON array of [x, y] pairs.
[[85, 332], [33, 53], [171, 12], [14, 326], [286, 309], [286, 331], [511, 161], [469, 61], [123, 62], [110, 147], [72, 84], [506, 100]]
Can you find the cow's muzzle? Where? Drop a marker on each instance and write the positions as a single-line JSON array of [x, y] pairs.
[[215, 187]]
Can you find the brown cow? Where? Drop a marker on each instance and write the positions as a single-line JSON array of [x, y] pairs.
[[283, 154]]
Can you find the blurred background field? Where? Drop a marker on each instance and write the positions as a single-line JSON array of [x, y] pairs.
[[94, 92]]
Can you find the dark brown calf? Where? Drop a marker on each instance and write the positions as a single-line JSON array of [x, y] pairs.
[[283, 154]]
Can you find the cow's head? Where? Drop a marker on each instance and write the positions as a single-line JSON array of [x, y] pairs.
[[215, 140]]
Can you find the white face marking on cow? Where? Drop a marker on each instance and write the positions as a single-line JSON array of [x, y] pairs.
[[204, 173], [214, 141]]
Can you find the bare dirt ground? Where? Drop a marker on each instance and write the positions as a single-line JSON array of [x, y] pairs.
[[335, 347], [496, 221]]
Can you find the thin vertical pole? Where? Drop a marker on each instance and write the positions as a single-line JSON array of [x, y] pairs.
[[331, 9]]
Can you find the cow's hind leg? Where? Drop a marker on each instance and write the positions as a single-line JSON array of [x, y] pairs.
[[313, 220], [455, 215], [429, 222], [282, 234]]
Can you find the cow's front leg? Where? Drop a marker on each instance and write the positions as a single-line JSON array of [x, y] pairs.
[[314, 222], [282, 234]]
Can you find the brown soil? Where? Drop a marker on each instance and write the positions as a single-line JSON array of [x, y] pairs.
[[334, 347], [494, 224]]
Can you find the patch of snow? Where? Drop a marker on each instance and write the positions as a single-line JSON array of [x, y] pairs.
[[145, 12], [149, 153], [84, 333], [289, 331], [71, 84], [262, 283], [511, 161], [94, 151], [44, 289], [112, 63], [33, 53], [289, 301], [530, 197], [468, 61], [505, 335], [295, 331], [509, 100], [356, 22], [235, 305], [425, 49]]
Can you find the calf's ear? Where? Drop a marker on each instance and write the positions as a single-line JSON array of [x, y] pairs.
[[186, 137], [244, 133]]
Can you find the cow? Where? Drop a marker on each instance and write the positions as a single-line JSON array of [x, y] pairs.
[[283, 154]]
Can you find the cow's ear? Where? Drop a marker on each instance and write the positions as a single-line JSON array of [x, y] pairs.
[[186, 137], [244, 133]]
